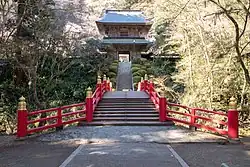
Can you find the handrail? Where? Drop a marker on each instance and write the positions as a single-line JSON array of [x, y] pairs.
[[59, 116], [196, 117]]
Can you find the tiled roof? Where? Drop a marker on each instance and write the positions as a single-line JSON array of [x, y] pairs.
[[124, 16], [125, 41]]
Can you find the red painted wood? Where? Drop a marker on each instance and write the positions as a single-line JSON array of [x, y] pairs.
[[41, 119], [42, 111], [212, 112], [74, 113], [89, 109], [180, 113], [142, 85], [72, 105], [232, 115], [146, 86], [59, 115], [33, 130], [220, 131], [22, 123], [233, 124], [211, 120], [99, 90], [192, 120], [163, 109], [105, 85]]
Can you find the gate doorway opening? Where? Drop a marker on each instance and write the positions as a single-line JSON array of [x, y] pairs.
[[124, 56]]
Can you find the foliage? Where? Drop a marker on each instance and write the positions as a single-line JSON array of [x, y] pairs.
[[135, 69], [47, 65], [161, 67], [136, 79], [142, 72], [212, 38], [111, 74]]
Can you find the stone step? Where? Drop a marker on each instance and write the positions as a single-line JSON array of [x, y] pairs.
[[126, 112], [124, 109], [125, 115], [126, 106], [127, 123], [118, 103], [126, 100], [126, 119]]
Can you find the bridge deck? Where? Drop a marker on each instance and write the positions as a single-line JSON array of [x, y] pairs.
[[128, 94]]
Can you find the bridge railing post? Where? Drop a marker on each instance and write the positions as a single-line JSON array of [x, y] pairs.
[[141, 84], [145, 84], [151, 86], [192, 120], [233, 120], [162, 107], [89, 105], [22, 115], [108, 85], [105, 82], [99, 86], [59, 119], [111, 86]]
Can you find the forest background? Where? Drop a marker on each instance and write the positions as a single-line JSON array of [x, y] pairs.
[[49, 52]]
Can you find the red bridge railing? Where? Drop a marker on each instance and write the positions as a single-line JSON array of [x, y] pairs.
[[29, 122], [227, 124]]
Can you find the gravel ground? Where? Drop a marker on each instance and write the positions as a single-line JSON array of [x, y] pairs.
[[149, 134]]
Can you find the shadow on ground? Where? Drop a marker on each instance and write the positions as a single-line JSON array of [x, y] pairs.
[[32, 153]]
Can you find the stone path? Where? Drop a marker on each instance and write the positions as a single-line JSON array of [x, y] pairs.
[[124, 77]]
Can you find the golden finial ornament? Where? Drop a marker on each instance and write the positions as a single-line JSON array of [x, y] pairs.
[[99, 80], [89, 92], [151, 78], [233, 103], [163, 93], [104, 77], [22, 104], [146, 76]]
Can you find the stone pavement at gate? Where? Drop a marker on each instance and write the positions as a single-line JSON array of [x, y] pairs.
[[124, 77]]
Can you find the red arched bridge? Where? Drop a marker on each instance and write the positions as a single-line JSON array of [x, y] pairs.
[[152, 109]]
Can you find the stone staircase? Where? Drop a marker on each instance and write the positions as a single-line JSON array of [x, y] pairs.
[[127, 111], [124, 77]]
